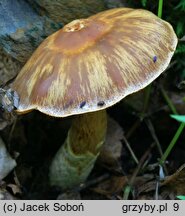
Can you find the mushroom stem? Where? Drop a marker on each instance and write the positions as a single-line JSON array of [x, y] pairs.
[[75, 159]]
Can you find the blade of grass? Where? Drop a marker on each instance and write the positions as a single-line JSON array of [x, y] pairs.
[[178, 132], [160, 8], [169, 102], [181, 197], [172, 143]]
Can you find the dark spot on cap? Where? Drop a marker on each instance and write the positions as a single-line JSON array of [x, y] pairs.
[[82, 104], [154, 59], [101, 103]]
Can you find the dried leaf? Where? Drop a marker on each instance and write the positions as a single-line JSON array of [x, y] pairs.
[[111, 151], [171, 187], [111, 187], [5, 195], [175, 182], [6, 162], [144, 184], [15, 188]]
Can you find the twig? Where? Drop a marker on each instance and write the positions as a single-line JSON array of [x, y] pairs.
[[154, 136], [136, 171], [130, 150], [133, 128]]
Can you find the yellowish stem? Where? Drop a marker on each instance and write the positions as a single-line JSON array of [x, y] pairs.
[[75, 159]]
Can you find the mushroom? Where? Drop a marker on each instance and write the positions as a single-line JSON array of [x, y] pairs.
[[85, 67]]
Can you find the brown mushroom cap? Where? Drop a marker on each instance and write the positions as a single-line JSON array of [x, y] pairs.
[[93, 63]]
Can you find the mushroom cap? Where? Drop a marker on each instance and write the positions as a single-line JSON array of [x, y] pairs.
[[91, 64]]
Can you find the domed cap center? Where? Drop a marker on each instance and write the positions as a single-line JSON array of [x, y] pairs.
[[79, 35], [76, 25]]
